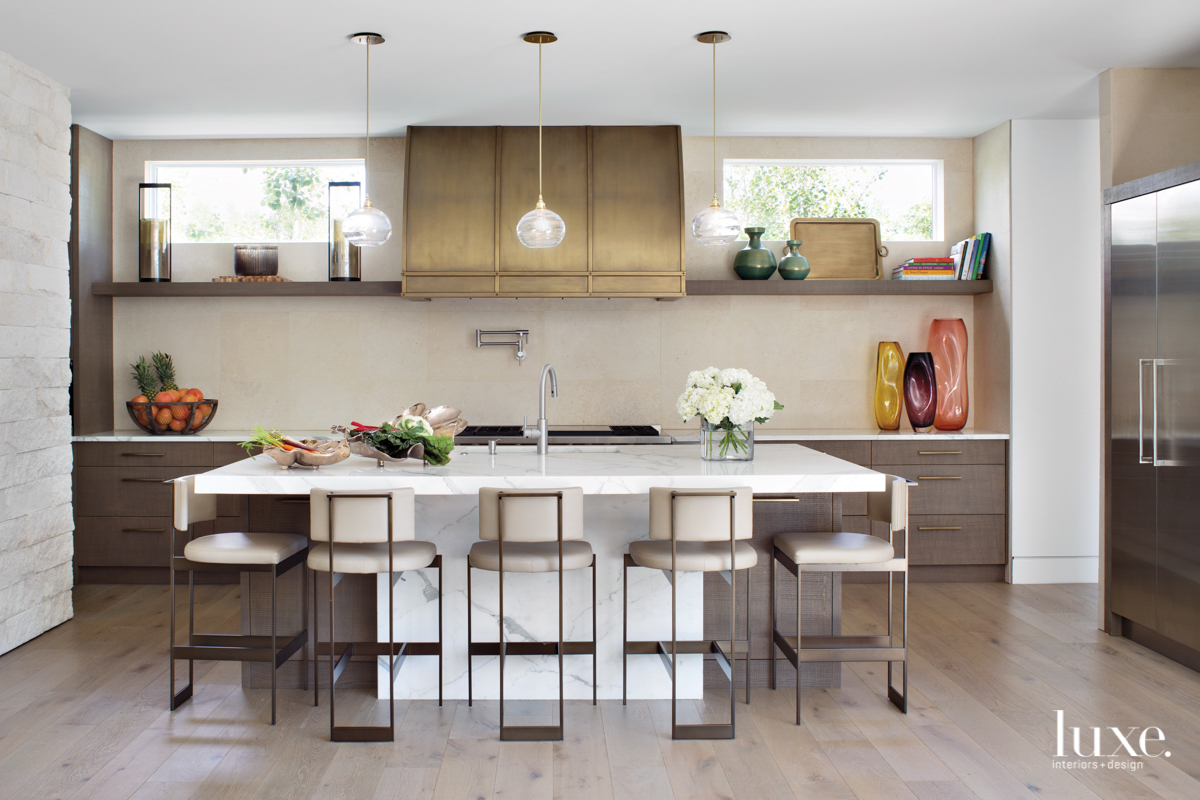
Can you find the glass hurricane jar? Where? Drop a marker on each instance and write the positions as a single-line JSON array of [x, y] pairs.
[[724, 441]]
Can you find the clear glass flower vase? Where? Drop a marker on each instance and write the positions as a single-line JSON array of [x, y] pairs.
[[726, 441]]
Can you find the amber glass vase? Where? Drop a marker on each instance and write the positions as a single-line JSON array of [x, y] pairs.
[[948, 344], [889, 393], [920, 391]]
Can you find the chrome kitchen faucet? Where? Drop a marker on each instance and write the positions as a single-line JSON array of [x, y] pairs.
[[542, 427]]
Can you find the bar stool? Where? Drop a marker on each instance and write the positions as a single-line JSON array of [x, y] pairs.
[[530, 531], [369, 533], [696, 531], [849, 552], [276, 553]]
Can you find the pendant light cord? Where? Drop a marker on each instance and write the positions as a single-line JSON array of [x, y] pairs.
[[541, 203], [367, 160], [715, 201]]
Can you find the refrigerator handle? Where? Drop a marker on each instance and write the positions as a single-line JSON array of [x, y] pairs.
[[1142, 458], [1154, 411]]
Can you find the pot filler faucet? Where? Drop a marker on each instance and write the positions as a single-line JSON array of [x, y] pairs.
[[541, 423]]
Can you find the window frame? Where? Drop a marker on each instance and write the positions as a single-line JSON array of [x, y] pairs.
[[152, 166], [939, 181]]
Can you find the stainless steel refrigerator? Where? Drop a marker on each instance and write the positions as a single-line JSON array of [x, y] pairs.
[[1153, 371]]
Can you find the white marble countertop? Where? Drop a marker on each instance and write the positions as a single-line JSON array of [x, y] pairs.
[[684, 435], [598, 470]]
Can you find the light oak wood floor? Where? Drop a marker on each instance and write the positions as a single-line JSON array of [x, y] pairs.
[[82, 715]]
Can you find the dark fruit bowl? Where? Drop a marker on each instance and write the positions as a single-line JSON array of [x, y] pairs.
[[754, 273], [145, 416]]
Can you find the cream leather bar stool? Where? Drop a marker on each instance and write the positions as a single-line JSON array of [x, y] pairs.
[[369, 533], [696, 531], [530, 531], [275, 553], [849, 552]]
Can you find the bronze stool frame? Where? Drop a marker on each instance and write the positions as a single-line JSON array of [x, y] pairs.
[[530, 733], [845, 647], [233, 646], [396, 652], [726, 660]]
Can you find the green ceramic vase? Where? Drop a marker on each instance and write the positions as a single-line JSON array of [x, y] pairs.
[[754, 262], [793, 266]]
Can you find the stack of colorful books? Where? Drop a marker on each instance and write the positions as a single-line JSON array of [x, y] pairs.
[[970, 257], [925, 269]]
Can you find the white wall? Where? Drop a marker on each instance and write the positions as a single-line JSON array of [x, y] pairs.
[[1056, 351], [35, 341]]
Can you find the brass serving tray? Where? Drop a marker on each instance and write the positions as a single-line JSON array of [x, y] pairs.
[[840, 249]]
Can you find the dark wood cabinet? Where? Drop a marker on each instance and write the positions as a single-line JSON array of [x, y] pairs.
[[123, 508], [619, 190]]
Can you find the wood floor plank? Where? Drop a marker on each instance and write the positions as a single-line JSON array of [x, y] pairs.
[[406, 783], [581, 765], [36, 753], [941, 790], [468, 770], [692, 766], [525, 771], [804, 765], [749, 765], [354, 772]]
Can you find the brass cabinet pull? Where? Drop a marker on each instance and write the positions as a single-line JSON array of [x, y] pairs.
[[939, 452], [294, 500], [939, 477], [142, 480], [143, 455], [143, 530], [939, 527]]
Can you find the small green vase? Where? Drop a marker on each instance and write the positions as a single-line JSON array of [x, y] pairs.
[[793, 266], [754, 262]]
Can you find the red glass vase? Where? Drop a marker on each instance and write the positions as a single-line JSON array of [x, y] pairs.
[[920, 391], [948, 344]]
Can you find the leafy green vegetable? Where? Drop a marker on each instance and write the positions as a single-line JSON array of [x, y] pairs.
[[262, 438], [395, 441]]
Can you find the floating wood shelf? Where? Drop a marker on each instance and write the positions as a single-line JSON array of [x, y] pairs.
[[782, 287], [272, 289], [392, 288]]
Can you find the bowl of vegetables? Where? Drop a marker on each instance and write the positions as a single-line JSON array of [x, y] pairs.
[[418, 432], [289, 453]]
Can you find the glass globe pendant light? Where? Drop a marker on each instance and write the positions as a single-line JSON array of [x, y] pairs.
[[540, 227], [368, 226], [715, 225]]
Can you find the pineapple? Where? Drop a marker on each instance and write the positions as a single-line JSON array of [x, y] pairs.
[[144, 375], [166, 372]]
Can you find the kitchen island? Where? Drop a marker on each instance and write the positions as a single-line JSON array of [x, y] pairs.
[[615, 481]]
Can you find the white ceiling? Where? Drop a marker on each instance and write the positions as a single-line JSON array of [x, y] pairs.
[[255, 68]]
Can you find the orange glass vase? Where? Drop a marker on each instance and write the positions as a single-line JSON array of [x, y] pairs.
[[948, 343], [889, 377]]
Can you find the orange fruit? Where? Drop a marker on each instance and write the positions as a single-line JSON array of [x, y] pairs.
[[180, 410], [205, 409], [178, 424], [163, 417], [197, 420], [199, 394]]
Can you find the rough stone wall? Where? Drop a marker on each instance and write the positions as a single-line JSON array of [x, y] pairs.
[[35, 317]]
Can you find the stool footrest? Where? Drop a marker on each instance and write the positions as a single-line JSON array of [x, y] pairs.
[[839, 648], [531, 733], [362, 733], [532, 648], [237, 647], [381, 648]]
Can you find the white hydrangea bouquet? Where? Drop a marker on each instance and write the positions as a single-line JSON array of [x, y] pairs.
[[729, 402]]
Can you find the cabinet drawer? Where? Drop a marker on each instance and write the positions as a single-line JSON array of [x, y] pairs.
[[128, 541], [169, 453], [968, 489], [227, 453], [126, 491], [957, 539], [933, 451], [279, 514], [531, 285]]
